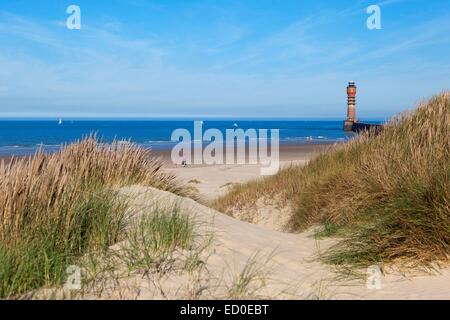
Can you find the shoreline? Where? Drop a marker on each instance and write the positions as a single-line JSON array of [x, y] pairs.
[[288, 151]]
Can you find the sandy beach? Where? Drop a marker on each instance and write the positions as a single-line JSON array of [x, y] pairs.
[[214, 181]]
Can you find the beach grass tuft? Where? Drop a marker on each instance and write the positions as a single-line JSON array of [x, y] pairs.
[[56, 207], [155, 238]]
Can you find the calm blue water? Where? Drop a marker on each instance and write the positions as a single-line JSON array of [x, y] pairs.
[[24, 137]]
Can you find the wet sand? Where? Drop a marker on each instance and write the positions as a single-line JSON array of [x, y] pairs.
[[288, 152]]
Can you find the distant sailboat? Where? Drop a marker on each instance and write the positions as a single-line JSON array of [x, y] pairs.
[[235, 125], [60, 121]]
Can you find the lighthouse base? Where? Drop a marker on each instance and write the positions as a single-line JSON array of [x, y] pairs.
[[348, 125]]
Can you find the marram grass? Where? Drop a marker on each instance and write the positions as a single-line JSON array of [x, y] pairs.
[[55, 208]]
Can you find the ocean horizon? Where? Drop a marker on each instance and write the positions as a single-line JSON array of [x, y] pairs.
[[24, 137]]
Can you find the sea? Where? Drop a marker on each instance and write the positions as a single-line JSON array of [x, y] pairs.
[[24, 137]]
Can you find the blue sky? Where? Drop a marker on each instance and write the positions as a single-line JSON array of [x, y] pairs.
[[248, 58]]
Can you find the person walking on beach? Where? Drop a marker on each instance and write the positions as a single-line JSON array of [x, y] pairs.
[[183, 162]]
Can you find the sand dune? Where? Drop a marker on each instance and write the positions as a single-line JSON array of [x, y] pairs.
[[241, 260], [299, 249], [290, 268]]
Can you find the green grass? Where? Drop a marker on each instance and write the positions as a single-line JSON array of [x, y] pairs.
[[40, 257], [327, 229], [160, 243], [155, 238]]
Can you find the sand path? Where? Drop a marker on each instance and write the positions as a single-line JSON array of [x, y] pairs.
[[294, 273]]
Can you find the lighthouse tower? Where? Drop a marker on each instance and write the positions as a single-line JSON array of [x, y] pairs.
[[351, 106]]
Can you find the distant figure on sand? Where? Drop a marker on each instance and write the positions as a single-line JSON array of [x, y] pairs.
[[184, 162]]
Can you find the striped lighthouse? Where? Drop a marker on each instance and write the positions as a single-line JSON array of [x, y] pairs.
[[351, 106]]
